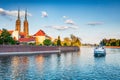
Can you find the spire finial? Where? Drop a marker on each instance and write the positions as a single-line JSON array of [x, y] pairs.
[[26, 14], [18, 13]]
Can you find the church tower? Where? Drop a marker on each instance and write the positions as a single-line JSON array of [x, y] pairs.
[[26, 30], [18, 23]]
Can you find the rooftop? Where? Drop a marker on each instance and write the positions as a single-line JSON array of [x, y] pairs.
[[26, 39], [40, 33]]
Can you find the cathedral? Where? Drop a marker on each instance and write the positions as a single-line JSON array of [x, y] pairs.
[[23, 35], [25, 32]]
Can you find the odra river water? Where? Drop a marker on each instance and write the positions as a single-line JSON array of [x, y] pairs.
[[66, 66]]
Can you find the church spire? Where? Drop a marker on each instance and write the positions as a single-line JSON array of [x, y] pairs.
[[18, 22], [26, 14], [26, 25], [18, 14]]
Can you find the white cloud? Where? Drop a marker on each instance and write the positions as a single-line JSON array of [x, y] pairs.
[[95, 23], [4, 12], [69, 21], [57, 27], [44, 14], [74, 27], [65, 17], [60, 27]]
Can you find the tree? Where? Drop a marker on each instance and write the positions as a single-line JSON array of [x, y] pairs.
[[113, 42], [67, 41], [75, 41], [110, 42], [5, 38], [78, 43], [47, 42], [58, 41], [54, 42], [1, 40], [65, 44], [117, 43]]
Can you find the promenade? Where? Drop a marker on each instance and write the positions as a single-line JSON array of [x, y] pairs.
[[28, 49]]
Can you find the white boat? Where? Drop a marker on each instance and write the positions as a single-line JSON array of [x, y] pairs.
[[99, 51]]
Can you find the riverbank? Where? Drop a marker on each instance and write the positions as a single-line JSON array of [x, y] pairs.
[[28, 49], [117, 47]]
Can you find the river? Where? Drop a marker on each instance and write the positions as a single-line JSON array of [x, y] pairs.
[[64, 66]]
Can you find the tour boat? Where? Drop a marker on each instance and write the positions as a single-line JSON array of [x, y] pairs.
[[99, 51]]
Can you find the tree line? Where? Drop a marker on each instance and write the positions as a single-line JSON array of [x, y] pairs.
[[110, 42], [6, 38], [72, 41]]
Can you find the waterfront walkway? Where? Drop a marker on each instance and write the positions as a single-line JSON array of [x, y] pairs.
[[28, 53], [28, 49]]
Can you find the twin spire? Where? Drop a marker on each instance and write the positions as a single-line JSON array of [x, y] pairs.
[[19, 14], [25, 24]]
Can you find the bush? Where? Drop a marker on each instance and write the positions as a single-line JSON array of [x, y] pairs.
[[47, 42]]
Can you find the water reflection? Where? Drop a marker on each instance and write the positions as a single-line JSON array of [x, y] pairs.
[[19, 67], [39, 60], [15, 67], [64, 66], [5, 67]]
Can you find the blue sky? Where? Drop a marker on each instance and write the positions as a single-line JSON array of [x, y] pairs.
[[91, 20]]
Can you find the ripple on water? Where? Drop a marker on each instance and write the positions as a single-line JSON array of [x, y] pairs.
[[68, 66]]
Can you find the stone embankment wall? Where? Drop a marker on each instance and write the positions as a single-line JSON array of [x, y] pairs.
[[29, 48]]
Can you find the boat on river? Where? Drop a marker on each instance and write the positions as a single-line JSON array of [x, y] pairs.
[[99, 51]]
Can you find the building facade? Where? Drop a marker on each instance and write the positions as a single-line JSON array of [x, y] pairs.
[[39, 37]]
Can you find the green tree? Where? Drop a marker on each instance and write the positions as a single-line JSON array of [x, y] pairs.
[[5, 38], [65, 44], [1, 40], [117, 43], [47, 42], [113, 42], [110, 42], [58, 41], [104, 42]]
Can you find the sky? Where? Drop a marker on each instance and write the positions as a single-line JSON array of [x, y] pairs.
[[90, 20]]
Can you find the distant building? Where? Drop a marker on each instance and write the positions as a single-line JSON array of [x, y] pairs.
[[48, 37], [40, 36], [23, 37], [15, 35], [0, 31], [27, 40]]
